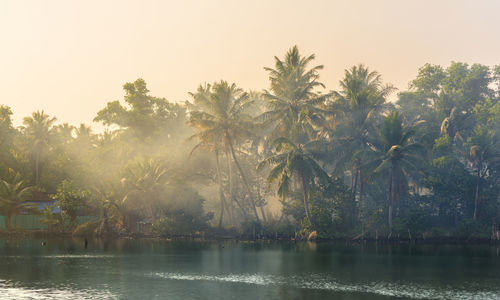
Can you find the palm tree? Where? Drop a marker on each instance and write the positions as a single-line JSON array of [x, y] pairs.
[[398, 154], [482, 154], [38, 129], [206, 144], [85, 139], [103, 192], [7, 133], [356, 108], [219, 117], [292, 159], [13, 195], [147, 178], [208, 140], [292, 99], [64, 133]]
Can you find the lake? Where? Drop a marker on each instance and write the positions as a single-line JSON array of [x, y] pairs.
[[158, 269]]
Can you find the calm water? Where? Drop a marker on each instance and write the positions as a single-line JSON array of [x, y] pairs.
[[126, 269]]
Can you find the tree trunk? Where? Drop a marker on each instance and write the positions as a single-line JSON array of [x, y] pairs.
[[221, 192], [245, 182], [37, 162], [262, 206], [104, 226], [476, 196], [242, 209], [305, 198], [354, 183], [231, 188], [361, 201], [391, 198]]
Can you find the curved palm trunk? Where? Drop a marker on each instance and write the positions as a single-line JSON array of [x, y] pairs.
[[354, 183], [306, 199], [221, 192], [245, 182], [231, 191], [104, 226], [262, 206], [476, 196]]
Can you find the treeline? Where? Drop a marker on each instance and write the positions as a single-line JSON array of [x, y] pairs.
[[289, 160]]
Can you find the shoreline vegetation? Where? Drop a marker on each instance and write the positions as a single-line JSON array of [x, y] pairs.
[[233, 236], [295, 161]]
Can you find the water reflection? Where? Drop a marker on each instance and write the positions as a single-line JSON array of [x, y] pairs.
[[64, 269]]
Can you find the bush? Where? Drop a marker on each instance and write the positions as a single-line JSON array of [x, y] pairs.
[[182, 225], [86, 229], [54, 221]]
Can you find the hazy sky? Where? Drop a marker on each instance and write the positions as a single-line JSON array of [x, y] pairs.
[[71, 57]]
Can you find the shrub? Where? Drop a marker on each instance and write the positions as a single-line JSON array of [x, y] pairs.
[[86, 229]]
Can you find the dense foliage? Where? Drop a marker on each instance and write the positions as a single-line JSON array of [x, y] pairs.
[[292, 159]]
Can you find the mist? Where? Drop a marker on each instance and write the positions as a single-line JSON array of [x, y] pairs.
[[294, 159]]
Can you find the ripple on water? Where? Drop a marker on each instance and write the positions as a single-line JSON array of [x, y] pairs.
[[8, 290], [64, 256], [415, 291]]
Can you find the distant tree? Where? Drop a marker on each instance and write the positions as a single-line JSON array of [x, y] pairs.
[[71, 199], [399, 154], [143, 115], [64, 133], [219, 117], [38, 129], [357, 109], [292, 159], [483, 154], [146, 179], [13, 195], [292, 100], [7, 133]]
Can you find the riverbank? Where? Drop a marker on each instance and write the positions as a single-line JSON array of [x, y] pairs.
[[437, 240]]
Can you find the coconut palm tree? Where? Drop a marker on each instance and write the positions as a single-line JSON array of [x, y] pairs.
[[483, 153], [220, 118], [398, 154], [13, 195], [298, 160], [7, 133], [355, 109], [64, 133], [292, 100], [146, 178], [38, 129]]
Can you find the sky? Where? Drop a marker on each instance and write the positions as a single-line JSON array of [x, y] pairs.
[[70, 58]]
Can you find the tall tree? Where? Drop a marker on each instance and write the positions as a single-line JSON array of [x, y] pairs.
[[399, 154], [483, 154], [357, 108], [219, 116], [292, 159], [7, 133], [293, 100], [143, 115], [38, 129], [147, 179]]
